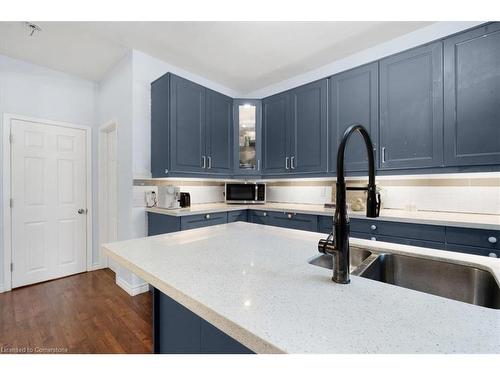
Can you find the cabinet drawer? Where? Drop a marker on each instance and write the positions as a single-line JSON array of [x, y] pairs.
[[488, 239], [203, 220], [495, 253], [258, 217], [240, 215], [325, 224], [404, 230], [294, 221], [399, 240]]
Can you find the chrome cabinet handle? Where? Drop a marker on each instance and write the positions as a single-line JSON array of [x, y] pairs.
[[287, 159], [264, 214], [292, 162], [373, 239], [383, 154], [373, 227], [204, 162], [209, 162], [82, 211], [492, 255], [492, 239], [258, 164], [207, 216]]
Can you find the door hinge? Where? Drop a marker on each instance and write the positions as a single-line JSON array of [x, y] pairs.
[[11, 202], [12, 267], [11, 138]]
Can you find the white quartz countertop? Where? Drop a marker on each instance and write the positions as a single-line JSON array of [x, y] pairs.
[[253, 282], [479, 221]]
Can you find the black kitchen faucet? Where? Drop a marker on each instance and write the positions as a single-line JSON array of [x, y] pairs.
[[338, 247]]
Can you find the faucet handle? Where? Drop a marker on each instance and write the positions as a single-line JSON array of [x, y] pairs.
[[379, 203]]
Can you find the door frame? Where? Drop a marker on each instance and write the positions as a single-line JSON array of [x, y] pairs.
[[6, 184], [103, 214]]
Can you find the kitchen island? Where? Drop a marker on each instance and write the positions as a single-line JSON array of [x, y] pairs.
[[253, 284]]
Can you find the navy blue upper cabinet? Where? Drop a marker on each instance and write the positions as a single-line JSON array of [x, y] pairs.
[[160, 107], [411, 108], [187, 126], [472, 97], [353, 100], [308, 128], [219, 124], [191, 129], [275, 133]]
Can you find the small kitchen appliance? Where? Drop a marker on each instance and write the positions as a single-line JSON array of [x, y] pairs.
[[185, 200], [245, 193], [169, 197]]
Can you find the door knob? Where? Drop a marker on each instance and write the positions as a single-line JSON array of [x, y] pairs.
[[82, 211]]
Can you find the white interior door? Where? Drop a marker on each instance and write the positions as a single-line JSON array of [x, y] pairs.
[[48, 177]]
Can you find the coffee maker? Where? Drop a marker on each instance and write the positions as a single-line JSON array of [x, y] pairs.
[[169, 197]]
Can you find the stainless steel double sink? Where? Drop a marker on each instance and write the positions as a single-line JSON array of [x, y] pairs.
[[438, 277]]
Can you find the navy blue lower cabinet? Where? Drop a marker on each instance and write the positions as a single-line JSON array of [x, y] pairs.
[[431, 236], [488, 239], [160, 224], [423, 232], [401, 240], [293, 220], [473, 250], [203, 220], [325, 224], [473, 241], [177, 330], [240, 215], [258, 217]]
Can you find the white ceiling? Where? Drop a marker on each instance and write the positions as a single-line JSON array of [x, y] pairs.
[[243, 56]]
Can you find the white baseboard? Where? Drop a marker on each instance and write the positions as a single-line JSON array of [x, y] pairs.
[[132, 290], [96, 266]]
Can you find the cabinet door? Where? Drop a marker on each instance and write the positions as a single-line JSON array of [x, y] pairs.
[[411, 108], [160, 223], [276, 113], [353, 100], [308, 128], [247, 137], [160, 104], [187, 126], [472, 97], [219, 125], [240, 215], [258, 217]]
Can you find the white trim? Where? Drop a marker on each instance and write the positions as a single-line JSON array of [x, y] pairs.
[[132, 290], [104, 128], [7, 223]]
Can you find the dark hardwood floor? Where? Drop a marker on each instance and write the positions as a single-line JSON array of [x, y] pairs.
[[84, 313]]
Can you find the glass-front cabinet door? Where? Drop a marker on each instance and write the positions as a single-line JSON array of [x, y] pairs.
[[247, 122]]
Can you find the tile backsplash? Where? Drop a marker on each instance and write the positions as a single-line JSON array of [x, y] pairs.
[[210, 193], [466, 195]]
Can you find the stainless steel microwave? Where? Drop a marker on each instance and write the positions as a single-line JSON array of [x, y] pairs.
[[245, 193]]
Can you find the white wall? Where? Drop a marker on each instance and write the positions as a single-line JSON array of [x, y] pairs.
[[421, 36], [146, 69], [32, 90]]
